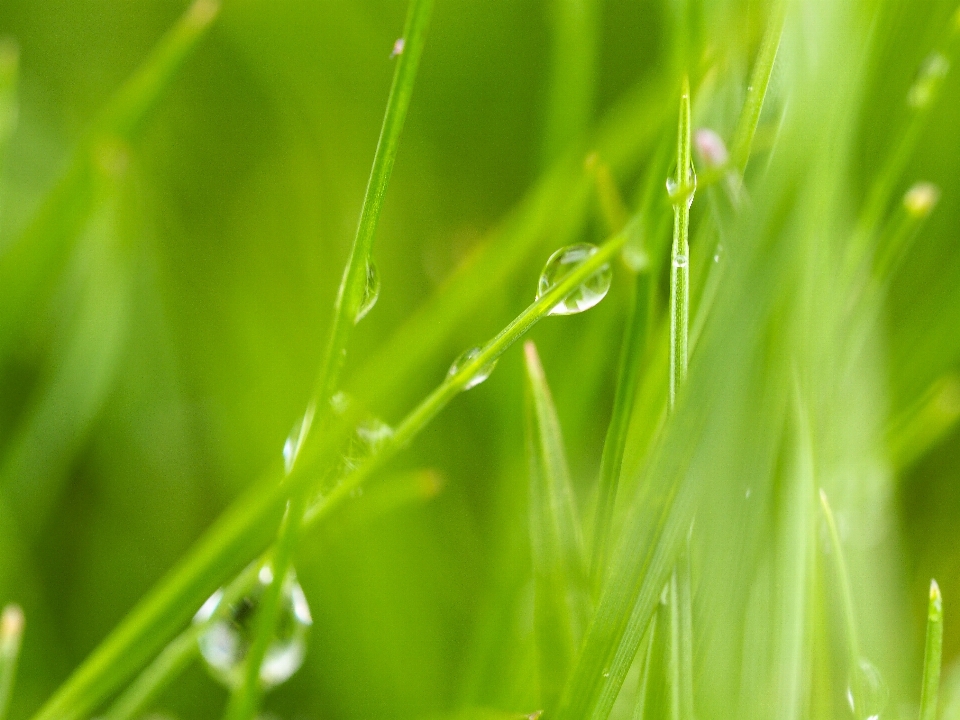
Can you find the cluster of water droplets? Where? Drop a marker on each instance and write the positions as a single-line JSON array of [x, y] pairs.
[[371, 292], [583, 297], [230, 627], [867, 693], [465, 358]]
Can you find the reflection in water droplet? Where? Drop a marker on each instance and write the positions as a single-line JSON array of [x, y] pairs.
[[365, 441], [465, 357], [371, 291], [225, 643], [588, 293], [867, 693], [294, 441], [678, 192], [680, 261]]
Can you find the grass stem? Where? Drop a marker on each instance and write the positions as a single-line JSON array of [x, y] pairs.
[[932, 655]]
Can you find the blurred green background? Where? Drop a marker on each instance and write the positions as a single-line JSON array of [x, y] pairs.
[[140, 403]]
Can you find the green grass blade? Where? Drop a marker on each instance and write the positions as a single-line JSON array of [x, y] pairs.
[[555, 537], [612, 208], [757, 88], [11, 637], [685, 684], [30, 266], [575, 26], [932, 655], [925, 423], [646, 673], [918, 202], [9, 74], [682, 191]]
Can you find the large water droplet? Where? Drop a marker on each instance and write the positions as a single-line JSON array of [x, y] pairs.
[[678, 192], [225, 643], [465, 357], [371, 291], [867, 693], [367, 438], [294, 441], [588, 293]]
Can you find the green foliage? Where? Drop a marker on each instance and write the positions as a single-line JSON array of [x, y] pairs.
[[180, 278]]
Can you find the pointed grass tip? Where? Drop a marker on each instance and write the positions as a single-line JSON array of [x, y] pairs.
[[936, 599]]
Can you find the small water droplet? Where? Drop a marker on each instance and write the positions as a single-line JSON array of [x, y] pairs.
[[373, 433], [294, 441], [371, 291], [606, 673], [340, 402], [398, 47], [747, 494], [867, 693], [680, 261], [225, 643], [465, 357], [932, 72], [920, 199], [588, 293]]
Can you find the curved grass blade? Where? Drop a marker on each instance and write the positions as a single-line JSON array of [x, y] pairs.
[[932, 655], [921, 426], [11, 637], [555, 538], [346, 312]]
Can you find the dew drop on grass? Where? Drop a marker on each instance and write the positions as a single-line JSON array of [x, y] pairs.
[[678, 192], [294, 441], [680, 261], [367, 438], [867, 693], [588, 293], [465, 357], [225, 643], [371, 292]]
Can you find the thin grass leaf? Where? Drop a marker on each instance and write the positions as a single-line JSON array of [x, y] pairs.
[[575, 30], [918, 202], [684, 599], [30, 266], [925, 423], [612, 208], [11, 637], [646, 673], [555, 537], [9, 74], [932, 655]]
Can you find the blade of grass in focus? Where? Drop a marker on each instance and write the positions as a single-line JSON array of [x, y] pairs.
[[560, 591]]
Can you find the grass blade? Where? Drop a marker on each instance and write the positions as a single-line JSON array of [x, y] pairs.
[[927, 421], [11, 637], [932, 655], [573, 70], [9, 73], [646, 672], [555, 537]]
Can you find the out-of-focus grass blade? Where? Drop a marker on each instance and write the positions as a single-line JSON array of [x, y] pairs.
[[646, 673], [555, 538], [9, 72], [30, 266], [932, 655], [921, 426], [575, 26], [11, 636], [918, 202], [79, 372], [612, 208], [684, 611]]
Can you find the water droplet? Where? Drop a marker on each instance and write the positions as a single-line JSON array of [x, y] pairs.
[[373, 433], [340, 402], [711, 148], [867, 693], [718, 254], [606, 673], [398, 47], [465, 357], [932, 72], [680, 261], [678, 192], [294, 441], [226, 642], [371, 291], [588, 293]]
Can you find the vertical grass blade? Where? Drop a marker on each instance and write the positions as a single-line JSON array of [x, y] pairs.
[[646, 673], [11, 636], [932, 655], [682, 188], [573, 69], [612, 208], [555, 538], [9, 73]]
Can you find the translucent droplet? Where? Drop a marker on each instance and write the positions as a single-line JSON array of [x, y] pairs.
[[867, 693], [680, 261], [465, 357], [678, 192], [225, 643], [373, 433], [294, 441], [371, 291], [398, 47], [588, 293], [340, 402], [932, 72]]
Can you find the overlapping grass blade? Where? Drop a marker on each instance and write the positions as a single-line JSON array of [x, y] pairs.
[[932, 655], [559, 573]]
